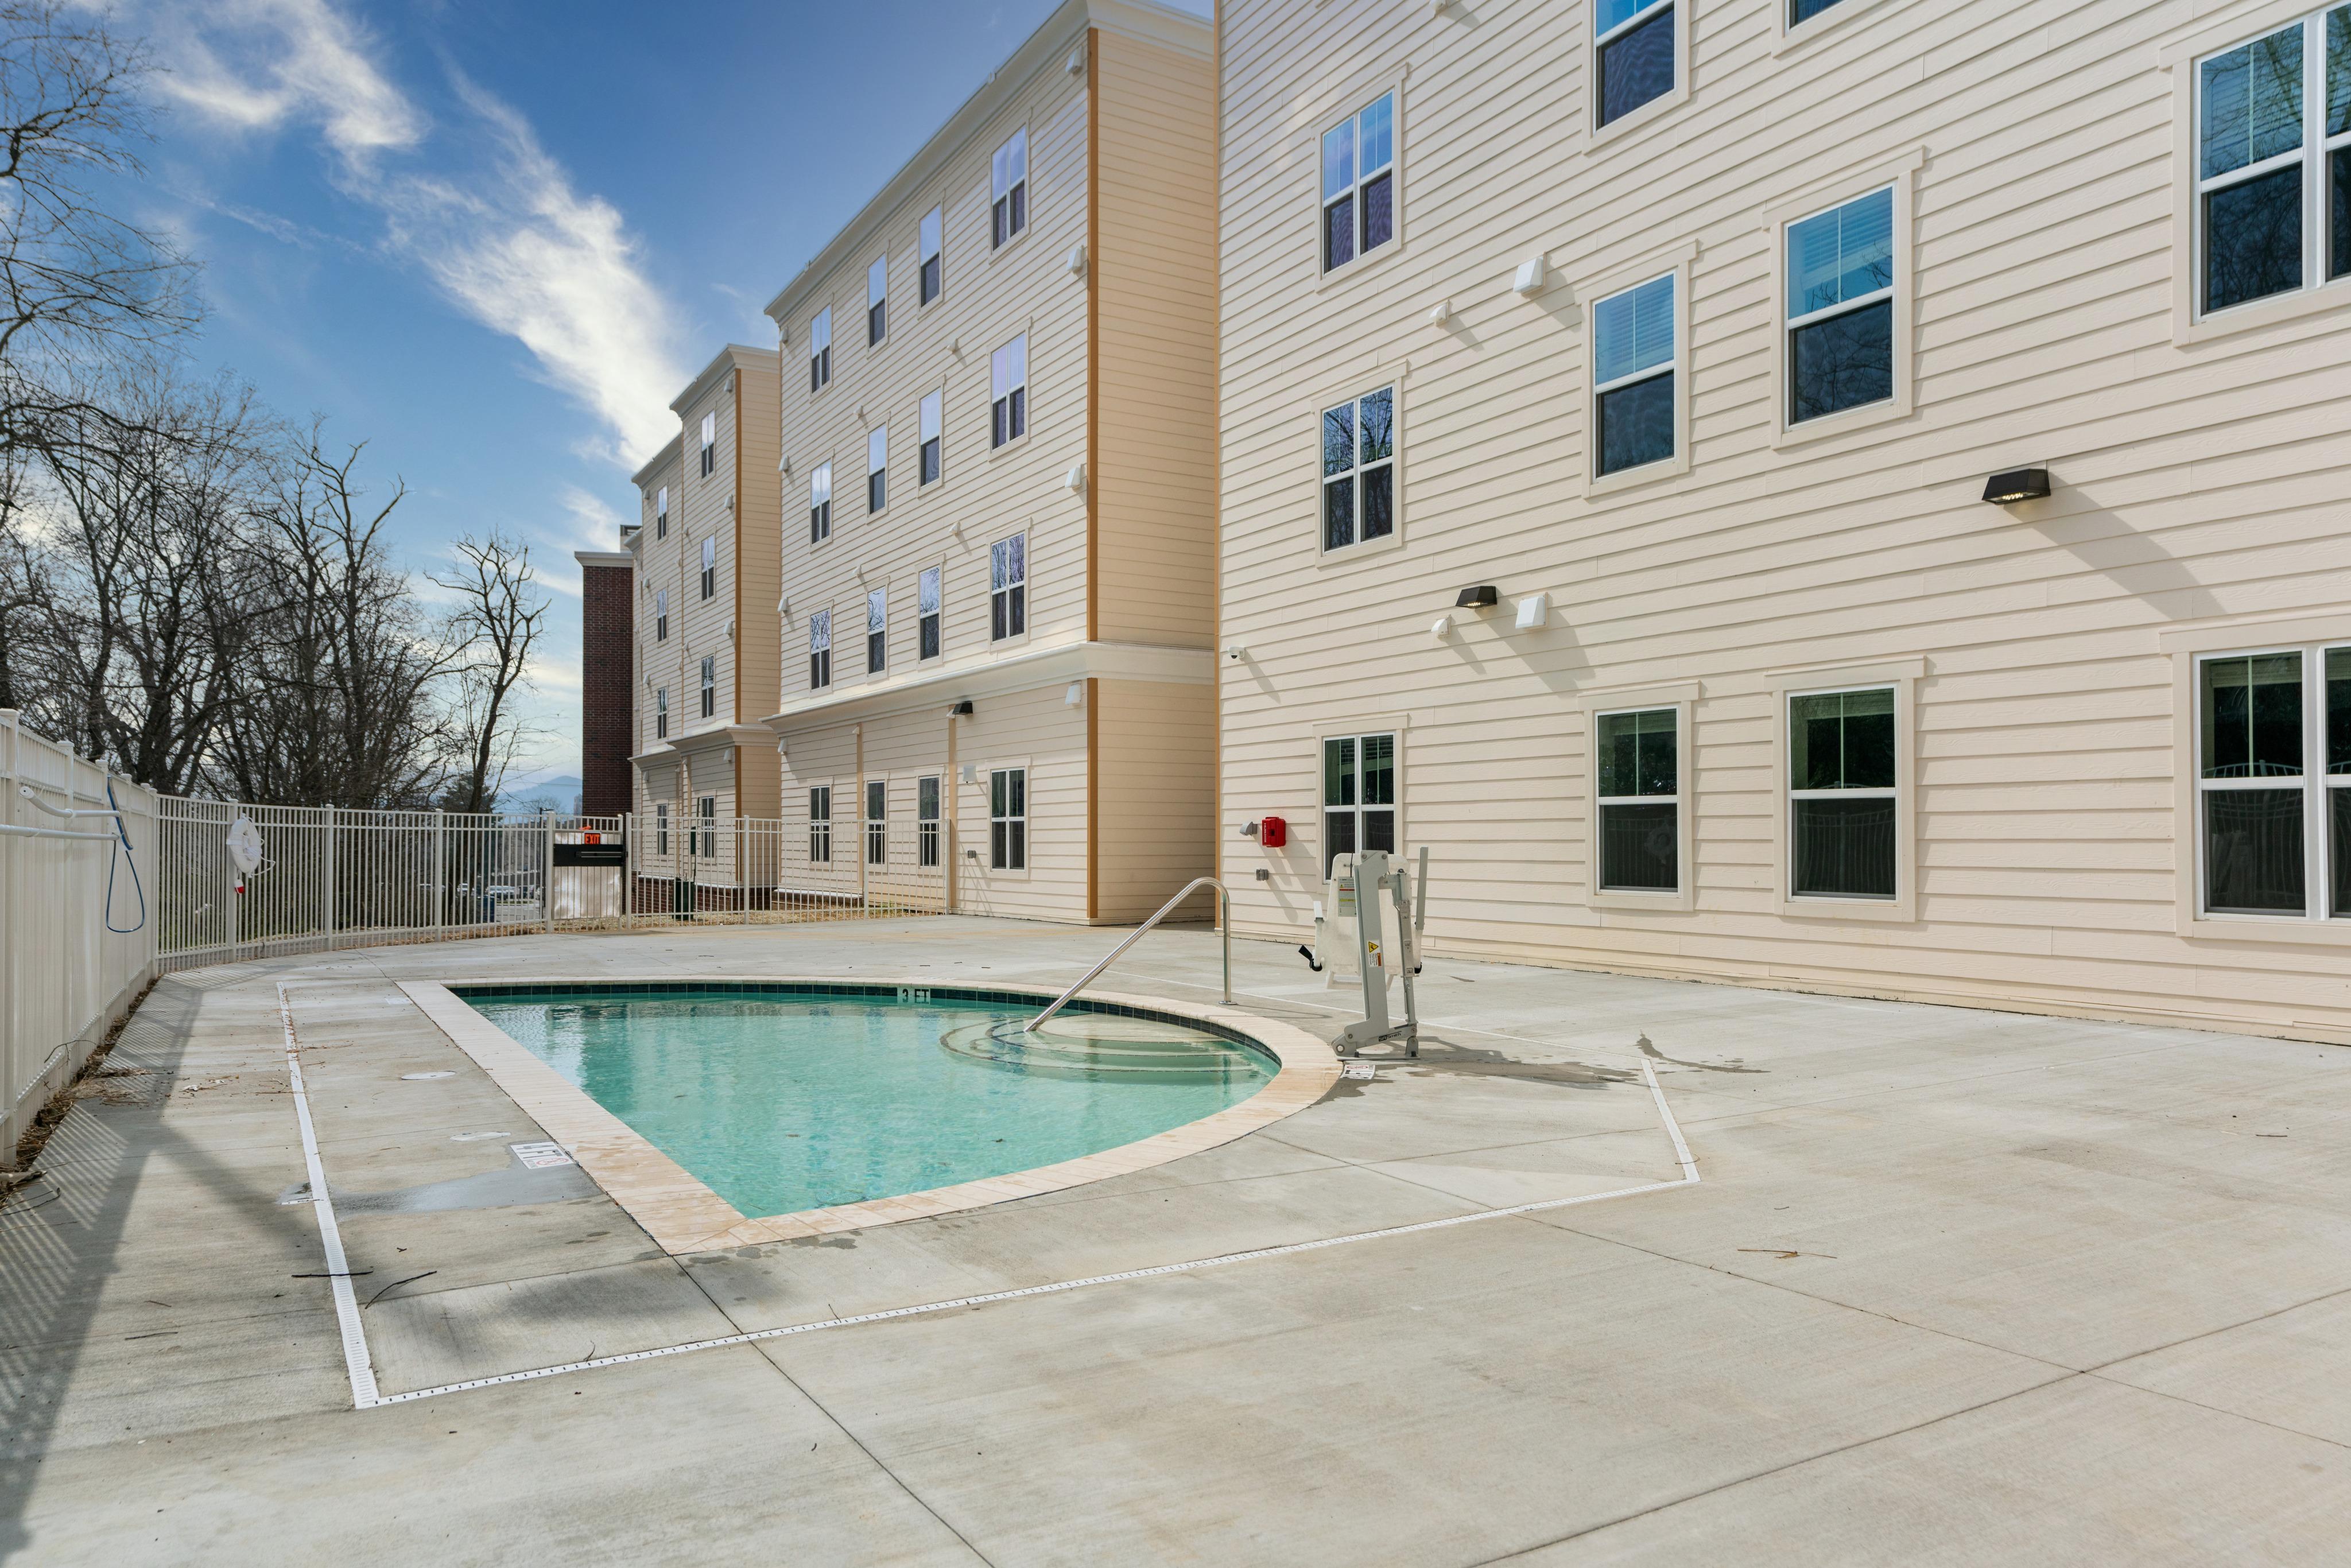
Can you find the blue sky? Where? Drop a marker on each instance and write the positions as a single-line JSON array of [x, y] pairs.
[[493, 239]]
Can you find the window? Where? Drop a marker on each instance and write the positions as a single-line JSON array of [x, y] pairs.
[[706, 809], [877, 629], [660, 826], [1359, 470], [927, 614], [877, 300], [1007, 381], [660, 713], [820, 350], [1008, 819], [709, 444], [1359, 184], [661, 614], [709, 568], [877, 821], [1841, 307], [1638, 789], [927, 821], [1806, 10], [2271, 217], [1011, 187], [660, 513], [1358, 795], [821, 824], [933, 277], [820, 503], [930, 433], [1842, 802], [877, 468], [710, 687], [1633, 47], [1007, 588], [2273, 783], [1633, 377], [820, 650]]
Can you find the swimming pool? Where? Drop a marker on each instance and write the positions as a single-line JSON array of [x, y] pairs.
[[782, 1099]]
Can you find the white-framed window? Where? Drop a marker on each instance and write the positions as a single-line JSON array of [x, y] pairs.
[[821, 824], [926, 821], [877, 300], [706, 813], [820, 650], [661, 614], [934, 253], [1840, 308], [932, 429], [1359, 794], [661, 827], [1844, 794], [1635, 396], [710, 687], [877, 468], [1634, 49], [709, 568], [660, 513], [1007, 392], [2272, 736], [1359, 183], [1636, 783], [819, 503], [877, 630], [927, 614], [1008, 819], [2272, 155], [1359, 470], [1803, 11], [1009, 181], [877, 821], [820, 350], [660, 713], [1007, 588], [709, 444]]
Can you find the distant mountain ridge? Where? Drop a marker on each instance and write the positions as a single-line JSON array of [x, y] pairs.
[[555, 794]]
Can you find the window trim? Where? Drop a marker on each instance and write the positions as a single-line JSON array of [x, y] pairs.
[[707, 575], [824, 355], [1025, 386], [706, 686], [706, 450], [2188, 647], [1901, 175], [1361, 95], [1394, 460], [661, 614], [660, 713], [1597, 135], [939, 394], [1679, 262], [1902, 675], [661, 512], [661, 828], [1028, 607], [940, 569], [824, 469], [1352, 390], [877, 497], [1027, 818], [938, 209], [702, 839], [874, 344], [1397, 724], [816, 823], [815, 617], [1788, 35], [877, 597], [1026, 184], [1682, 697], [873, 831], [933, 843], [2190, 325]]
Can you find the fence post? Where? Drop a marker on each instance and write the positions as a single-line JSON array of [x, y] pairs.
[[440, 871], [546, 874], [329, 860], [628, 869]]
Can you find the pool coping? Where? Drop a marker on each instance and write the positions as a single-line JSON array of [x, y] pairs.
[[682, 1215]]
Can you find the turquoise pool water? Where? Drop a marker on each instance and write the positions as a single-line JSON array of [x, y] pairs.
[[781, 1102]]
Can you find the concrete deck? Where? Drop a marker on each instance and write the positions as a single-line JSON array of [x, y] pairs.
[[1957, 1287]]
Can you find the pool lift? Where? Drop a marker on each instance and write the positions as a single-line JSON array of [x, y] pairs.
[[1351, 941]]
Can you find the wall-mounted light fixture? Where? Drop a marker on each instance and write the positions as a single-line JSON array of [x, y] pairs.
[[1483, 597], [961, 709], [2016, 485], [1236, 652]]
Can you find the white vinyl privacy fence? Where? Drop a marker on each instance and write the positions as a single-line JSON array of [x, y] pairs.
[[78, 938]]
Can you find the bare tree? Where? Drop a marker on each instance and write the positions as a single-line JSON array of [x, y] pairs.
[[78, 285], [496, 625]]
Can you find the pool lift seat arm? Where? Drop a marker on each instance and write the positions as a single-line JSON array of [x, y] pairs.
[[1224, 921]]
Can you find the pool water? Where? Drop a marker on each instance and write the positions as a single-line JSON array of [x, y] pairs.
[[780, 1102]]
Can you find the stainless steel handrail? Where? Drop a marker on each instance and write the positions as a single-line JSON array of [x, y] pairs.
[[1224, 921]]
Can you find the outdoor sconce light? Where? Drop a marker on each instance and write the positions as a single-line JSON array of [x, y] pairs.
[[2017, 485], [1236, 652], [1480, 598], [961, 709]]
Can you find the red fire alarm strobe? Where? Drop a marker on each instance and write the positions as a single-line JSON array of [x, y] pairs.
[[1273, 832]]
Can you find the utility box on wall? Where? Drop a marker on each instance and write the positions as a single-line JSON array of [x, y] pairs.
[[1273, 832]]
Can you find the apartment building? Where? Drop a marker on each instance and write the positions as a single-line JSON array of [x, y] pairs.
[[1828, 494], [706, 587], [999, 495]]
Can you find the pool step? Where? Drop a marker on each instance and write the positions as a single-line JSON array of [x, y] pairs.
[[1100, 1045]]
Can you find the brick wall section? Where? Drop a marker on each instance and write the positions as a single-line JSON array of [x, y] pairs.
[[607, 668]]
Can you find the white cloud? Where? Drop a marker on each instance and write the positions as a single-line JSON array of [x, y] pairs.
[[482, 210]]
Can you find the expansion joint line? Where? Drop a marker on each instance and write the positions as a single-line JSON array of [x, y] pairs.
[[365, 1396]]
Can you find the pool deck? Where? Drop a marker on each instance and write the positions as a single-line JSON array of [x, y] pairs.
[[1956, 1286]]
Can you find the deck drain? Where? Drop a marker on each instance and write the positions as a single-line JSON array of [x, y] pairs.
[[419, 1076]]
